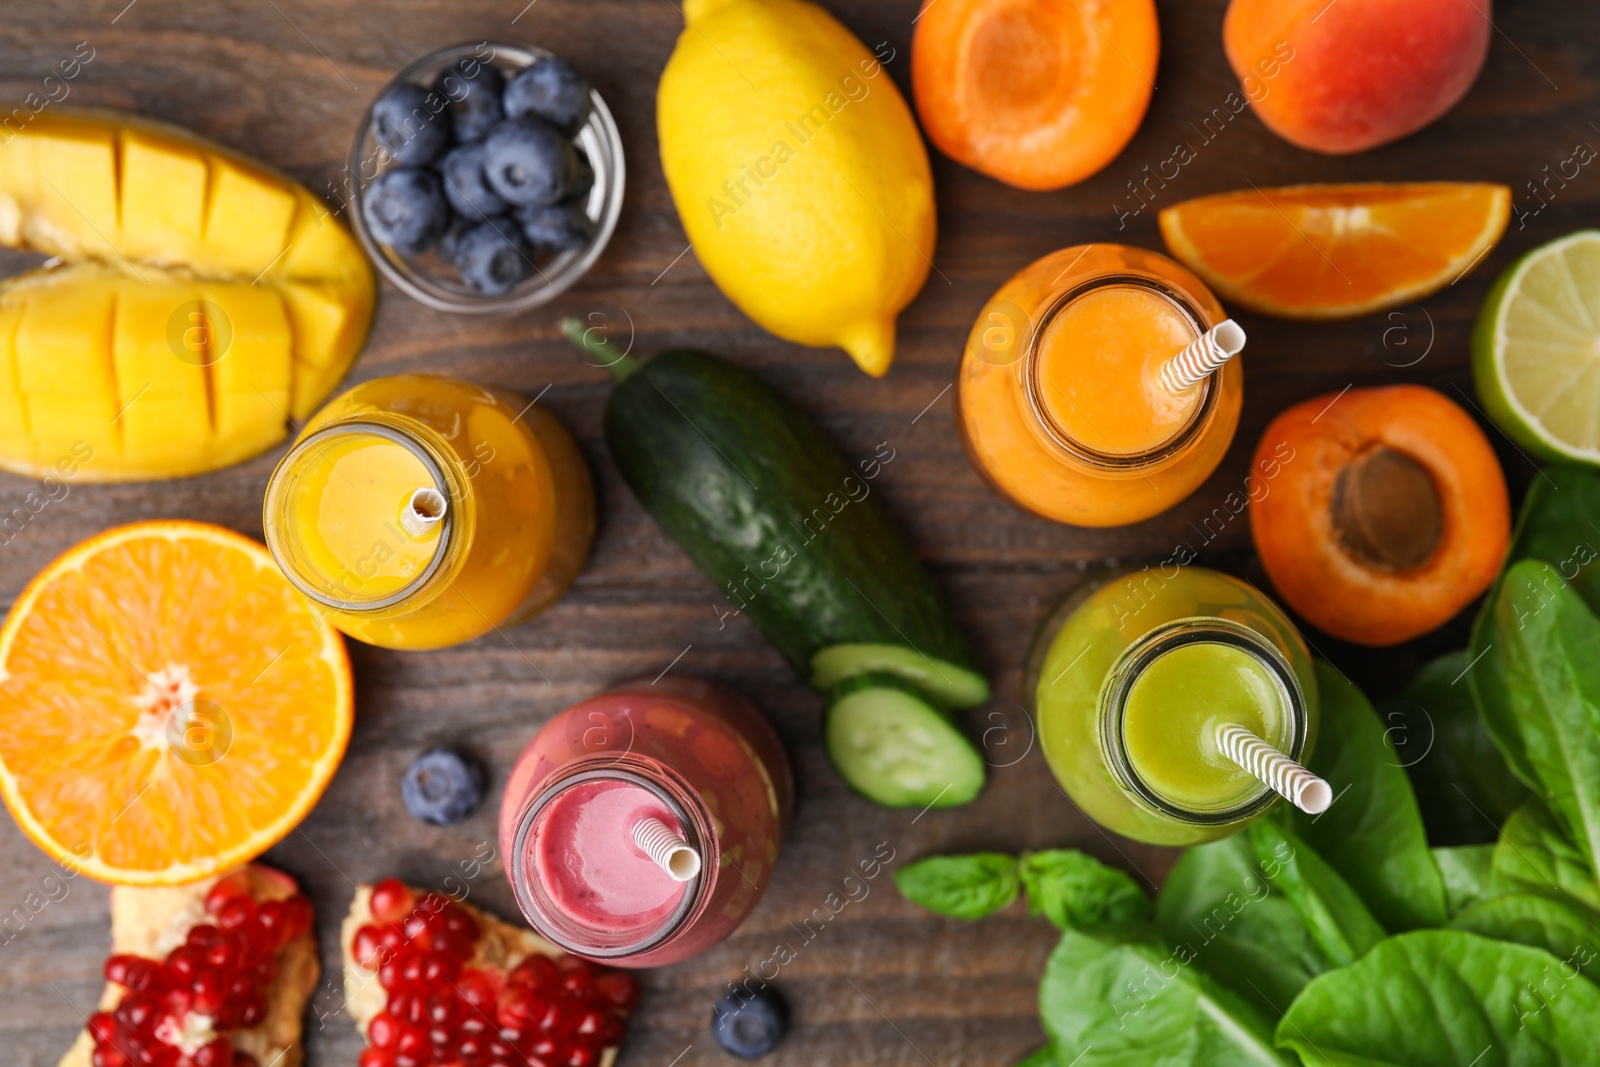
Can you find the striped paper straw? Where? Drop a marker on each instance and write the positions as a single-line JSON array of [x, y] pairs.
[[1205, 354], [1293, 782], [671, 853]]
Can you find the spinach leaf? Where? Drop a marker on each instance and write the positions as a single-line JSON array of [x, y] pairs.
[[1560, 524], [1117, 996], [1073, 889], [1339, 922], [1462, 784], [962, 887], [1445, 998], [1043, 1056], [1467, 874], [1564, 928], [1372, 835], [1218, 906], [1535, 856], [1549, 643]]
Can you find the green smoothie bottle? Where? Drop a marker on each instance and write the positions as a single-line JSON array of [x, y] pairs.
[[1175, 705]]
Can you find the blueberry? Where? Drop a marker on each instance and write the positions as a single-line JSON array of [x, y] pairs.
[[464, 185], [582, 176], [411, 124], [450, 242], [405, 209], [493, 256], [555, 227], [529, 162], [475, 90], [442, 786], [750, 1023], [553, 91]]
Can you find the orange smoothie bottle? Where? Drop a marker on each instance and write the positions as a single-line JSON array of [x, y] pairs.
[[423, 511], [1063, 404]]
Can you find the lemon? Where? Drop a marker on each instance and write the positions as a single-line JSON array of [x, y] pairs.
[[798, 171], [1536, 349]]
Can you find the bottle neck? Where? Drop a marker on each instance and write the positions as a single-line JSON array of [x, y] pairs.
[[1132, 665], [585, 938], [368, 515], [1071, 448]]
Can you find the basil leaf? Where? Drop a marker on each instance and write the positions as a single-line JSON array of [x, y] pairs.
[[1560, 524], [1372, 835], [1043, 1056], [1218, 907], [962, 887], [1444, 998], [1467, 873], [1549, 643], [1564, 928], [1073, 889], [1463, 787], [1534, 855], [1338, 921], [1116, 996]]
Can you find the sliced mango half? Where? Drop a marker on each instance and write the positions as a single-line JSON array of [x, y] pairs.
[[198, 302]]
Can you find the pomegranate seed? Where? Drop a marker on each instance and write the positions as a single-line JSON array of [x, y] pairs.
[[413, 1041], [393, 938], [535, 972], [414, 925], [469, 1048], [499, 1050], [236, 913], [375, 1057], [272, 920], [408, 1007], [458, 921], [384, 1030], [253, 1012], [579, 983], [475, 987], [520, 1006], [411, 967], [300, 916], [367, 948], [543, 1048], [390, 900], [590, 1023], [201, 936], [137, 1012], [223, 953], [411, 1061], [391, 971], [439, 969], [618, 988], [108, 1057], [228, 887], [581, 1056], [453, 945], [216, 1053], [102, 1026], [116, 968], [517, 1037], [475, 1026], [208, 993], [184, 962], [441, 1037]]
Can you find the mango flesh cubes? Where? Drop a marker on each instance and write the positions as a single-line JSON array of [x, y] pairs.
[[201, 302]]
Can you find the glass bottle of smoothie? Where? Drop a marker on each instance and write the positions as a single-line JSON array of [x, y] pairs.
[[1139, 685], [591, 800], [1063, 405], [423, 511]]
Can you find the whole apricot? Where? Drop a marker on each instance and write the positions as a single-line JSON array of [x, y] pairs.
[[1342, 76]]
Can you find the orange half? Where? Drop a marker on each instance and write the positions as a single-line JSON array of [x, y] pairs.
[[173, 707], [1336, 251]]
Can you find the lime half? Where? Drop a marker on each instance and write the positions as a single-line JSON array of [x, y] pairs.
[[1536, 349]]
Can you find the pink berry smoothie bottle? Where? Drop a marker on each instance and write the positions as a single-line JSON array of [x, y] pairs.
[[640, 826]]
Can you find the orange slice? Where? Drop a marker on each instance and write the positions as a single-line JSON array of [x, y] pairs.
[[1336, 251], [173, 707]]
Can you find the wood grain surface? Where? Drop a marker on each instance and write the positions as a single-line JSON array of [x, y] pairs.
[[880, 982]]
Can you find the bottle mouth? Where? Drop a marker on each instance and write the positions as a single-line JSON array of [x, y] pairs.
[[1131, 665], [1057, 437], [583, 939], [343, 591]]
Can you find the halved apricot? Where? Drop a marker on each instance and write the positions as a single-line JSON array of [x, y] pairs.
[[1036, 93], [1389, 515]]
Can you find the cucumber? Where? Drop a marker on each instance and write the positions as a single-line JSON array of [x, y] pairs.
[[793, 537], [894, 748]]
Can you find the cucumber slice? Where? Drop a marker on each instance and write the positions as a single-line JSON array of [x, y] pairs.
[[894, 748], [944, 683]]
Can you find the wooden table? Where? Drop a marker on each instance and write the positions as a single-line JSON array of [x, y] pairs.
[[881, 981]]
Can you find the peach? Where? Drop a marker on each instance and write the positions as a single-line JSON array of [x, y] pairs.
[[1342, 76]]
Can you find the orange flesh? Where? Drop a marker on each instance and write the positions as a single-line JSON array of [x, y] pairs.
[[1100, 366]]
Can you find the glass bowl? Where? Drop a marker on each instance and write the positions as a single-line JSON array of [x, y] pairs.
[[427, 277]]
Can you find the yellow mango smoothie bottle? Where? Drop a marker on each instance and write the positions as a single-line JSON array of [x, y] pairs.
[[424, 511], [1175, 705], [1080, 395]]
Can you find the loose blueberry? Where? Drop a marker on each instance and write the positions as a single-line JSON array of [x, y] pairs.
[[442, 786], [493, 256], [750, 1023], [555, 227], [464, 184], [475, 91], [551, 90], [529, 162], [582, 177], [405, 209], [411, 124]]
